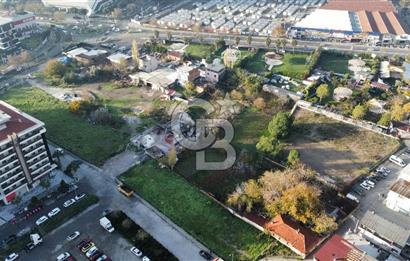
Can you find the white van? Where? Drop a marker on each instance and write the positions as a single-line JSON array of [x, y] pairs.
[[397, 161], [352, 197]]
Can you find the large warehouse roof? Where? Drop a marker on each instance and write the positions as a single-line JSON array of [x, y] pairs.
[[366, 5], [90, 5], [335, 20]]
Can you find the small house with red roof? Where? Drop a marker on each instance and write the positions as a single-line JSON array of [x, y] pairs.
[[298, 238], [336, 248]]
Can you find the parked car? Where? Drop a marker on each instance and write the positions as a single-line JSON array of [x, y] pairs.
[[54, 212], [102, 258], [397, 160], [145, 258], [206, 255], [136, 251], [87, 247], [365, 186], [12, 257], [69, 203], [29, 247], [358, 190], [64, 257], [78, 197], [73, 236], [10, 239], [96, 255], [83, 243], [371, 183], [41, 220], [91, 251]]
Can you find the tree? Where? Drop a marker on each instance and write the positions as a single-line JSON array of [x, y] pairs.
[[123, 65], [131, 8], [279, 31], [156, 34], [126, 223], [249, 39], [237, 95], [270, 146], [237, 40], [169, 35], [245, 195], [324, 224], [259, 103], [268, 42], [74, 106], [322, 91], [385, 119], [64, 187], [278, 44], [72, 168], [141, 235], [279, 126], [359, 112], [397, 111], [54, 69], [302, 202], [293, 157], [172, 157], [294, 43], [135, 54]]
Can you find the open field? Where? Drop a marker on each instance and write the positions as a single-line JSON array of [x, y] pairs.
[[294, 65], [337, 149], [256, 64], [199, 215], [94, 143], [337, 63], [198, 51], [248, 127]]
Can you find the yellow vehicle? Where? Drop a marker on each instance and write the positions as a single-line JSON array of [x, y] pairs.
[[125, 190]]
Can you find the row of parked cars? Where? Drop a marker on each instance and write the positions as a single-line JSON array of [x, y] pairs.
[[57, 210], [90, 250], [138, 253]]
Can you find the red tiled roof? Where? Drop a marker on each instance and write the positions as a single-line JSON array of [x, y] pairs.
[[367, 5], [298, 236], [16, 123], [175, 54], [336, 248]]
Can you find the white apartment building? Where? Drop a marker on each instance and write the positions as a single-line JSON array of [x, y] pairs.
[[24, 155], [14, 28]]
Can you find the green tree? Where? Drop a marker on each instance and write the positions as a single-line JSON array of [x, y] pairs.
[[169, 35], [237, 40], [190, 87], [293, 157], [294, 43], [116, 13], [64, 187], [324, 224], [279, 126], [385, 119], [268, 42], [249, 39], [322, 91], [270, 146], [359, 112], [156, 34]]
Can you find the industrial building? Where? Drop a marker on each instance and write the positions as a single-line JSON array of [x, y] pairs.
[[24, 155], [14, 28], [350, 18], [91, 6]]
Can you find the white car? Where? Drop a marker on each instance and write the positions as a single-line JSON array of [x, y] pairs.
[[73, 236], [145, 258], [69, 203], [365, 186], [91, 251], [370, 183], [41, 220], [12, 257], [78, 197], [63, 256], [54, 212], [136, 251]]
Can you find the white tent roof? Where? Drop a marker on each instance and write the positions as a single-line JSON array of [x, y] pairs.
[[327, 20]]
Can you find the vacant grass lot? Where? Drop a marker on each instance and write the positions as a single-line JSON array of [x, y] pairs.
[[337, 63], [337, 149], [198, 51], [294, 65], [256, 64], [94, 143], [199, 215]]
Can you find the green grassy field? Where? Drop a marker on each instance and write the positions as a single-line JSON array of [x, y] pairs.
[[94, 143], [198, 51], [256, 64], [337, 63], [294, 65], [197, 214]]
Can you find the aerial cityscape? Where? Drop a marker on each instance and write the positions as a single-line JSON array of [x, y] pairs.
[[205, 130]]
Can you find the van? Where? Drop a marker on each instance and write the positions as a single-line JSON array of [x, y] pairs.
[[397, 161]]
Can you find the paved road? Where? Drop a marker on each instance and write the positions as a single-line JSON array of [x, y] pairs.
[[177, 241]]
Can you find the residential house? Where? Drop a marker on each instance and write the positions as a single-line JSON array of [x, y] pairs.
[[92, 57], [380, 85], [336, 248], [214, 72], [187, 73], [118, 57], [298, 238], [175, 56], [148, 63], [398, 198]]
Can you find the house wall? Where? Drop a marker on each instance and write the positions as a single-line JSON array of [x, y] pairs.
[[398, 202]]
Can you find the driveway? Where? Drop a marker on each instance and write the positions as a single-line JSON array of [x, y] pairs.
[[102, 181]]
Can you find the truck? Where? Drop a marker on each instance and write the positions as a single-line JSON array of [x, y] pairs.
[[106, 224], [35, 241]]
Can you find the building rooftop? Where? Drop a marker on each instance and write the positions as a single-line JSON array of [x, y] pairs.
[[327, 20], [401, 187], [117, 57], [385, 228], [14, 121], [298, 236], [336, 248]]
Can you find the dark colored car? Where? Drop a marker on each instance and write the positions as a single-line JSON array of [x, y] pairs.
[[10, 239], [206, 255], [96, 255], [83, 243], [29, 247]]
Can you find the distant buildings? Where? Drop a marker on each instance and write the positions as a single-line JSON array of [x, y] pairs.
[[24, 155], [91, 6], [15, 28]]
